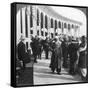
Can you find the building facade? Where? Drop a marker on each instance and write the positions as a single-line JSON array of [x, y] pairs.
[[39, 20]]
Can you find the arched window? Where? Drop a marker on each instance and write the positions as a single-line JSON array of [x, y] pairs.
[[55, 24], [59, 24], [46, 21], [65, 25], [41, 20], [72, 26], [37, 17], [31, 17], [51, 23], [68, 26]]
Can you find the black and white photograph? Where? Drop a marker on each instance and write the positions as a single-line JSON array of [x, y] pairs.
[[50, 44]]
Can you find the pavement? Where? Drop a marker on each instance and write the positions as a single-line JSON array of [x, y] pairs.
[[25, 77], [43, 75], [40, 74]]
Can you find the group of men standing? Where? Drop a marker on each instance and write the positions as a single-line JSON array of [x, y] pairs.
[[72, 53], [39, 45], [67, 50]]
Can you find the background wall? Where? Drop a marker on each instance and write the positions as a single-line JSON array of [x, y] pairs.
[[5, 44]]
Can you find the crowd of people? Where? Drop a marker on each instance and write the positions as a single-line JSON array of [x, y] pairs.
[[66, 51]]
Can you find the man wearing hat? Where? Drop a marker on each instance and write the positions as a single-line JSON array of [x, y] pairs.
[[22, 54], [72, 49]]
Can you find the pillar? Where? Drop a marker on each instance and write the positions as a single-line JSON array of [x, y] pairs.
[[34, 20], [39, 23], [48, 30], [23, 21]]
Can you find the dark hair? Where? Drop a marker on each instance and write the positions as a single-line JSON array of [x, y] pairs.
[[83, 38]]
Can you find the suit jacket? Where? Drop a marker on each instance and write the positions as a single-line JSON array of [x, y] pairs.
[[21, 50], [73, 47]]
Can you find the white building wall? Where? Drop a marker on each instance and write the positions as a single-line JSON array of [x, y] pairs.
[[18, 32], [23, 21], [35, 27]]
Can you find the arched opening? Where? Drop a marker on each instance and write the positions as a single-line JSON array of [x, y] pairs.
[[41, 20]]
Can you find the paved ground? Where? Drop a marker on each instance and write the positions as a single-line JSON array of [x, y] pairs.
[[43, 74], [26, 77]]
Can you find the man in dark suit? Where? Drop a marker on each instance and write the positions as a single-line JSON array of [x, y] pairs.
[[65, 53], [46, 48], [22, 54], [34, 45], [73, 47]]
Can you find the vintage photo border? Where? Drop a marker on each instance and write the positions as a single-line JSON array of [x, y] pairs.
[[13, 40]]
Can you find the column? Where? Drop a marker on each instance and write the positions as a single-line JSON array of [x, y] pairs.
[[34, 20], [49, 26], [19, 26], [23, 21], [75, 31], [31, 20], [28, 20], [39, 23]]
